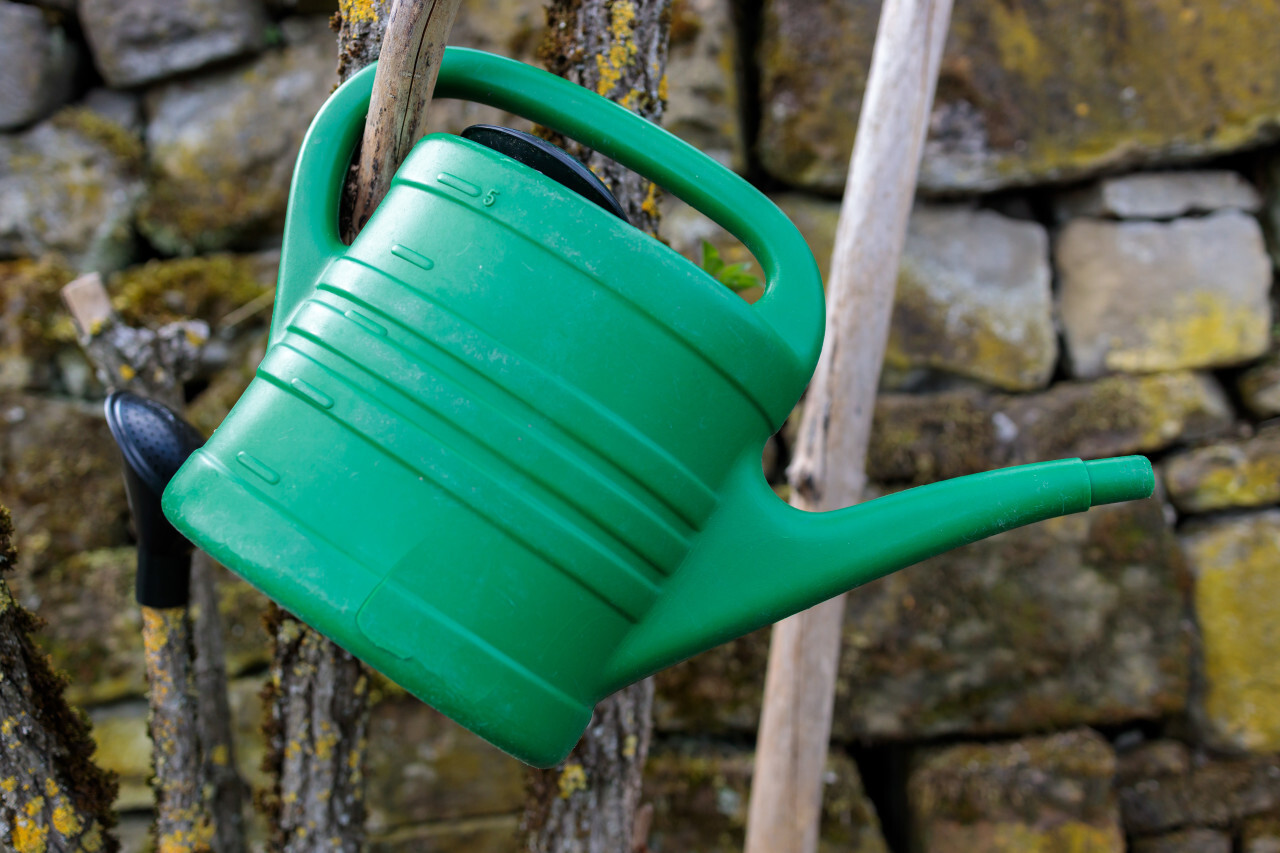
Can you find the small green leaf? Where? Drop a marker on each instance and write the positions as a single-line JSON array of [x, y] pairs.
[[711, 260], [736, 277]]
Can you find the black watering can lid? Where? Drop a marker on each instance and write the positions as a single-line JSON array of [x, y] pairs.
[[541, 156]]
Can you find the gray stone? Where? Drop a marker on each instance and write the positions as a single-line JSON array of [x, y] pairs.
[[703, 103], [423, 767], [60, 475], [221, 147], [489, 834], [1238, 473], [973, 299], [1147, 296], [1136, 83], [71, 185], [122, 108], [120, 732], [1196, 840], [918, 438], [973, 296], [1162, 787], [699, 793], [1236, 562], [1261, 834], [1075, 620], [1160, 195], [39, 66], [1260, 387], [34, 334], [1271, 210], [141, 41], [1048, 793]]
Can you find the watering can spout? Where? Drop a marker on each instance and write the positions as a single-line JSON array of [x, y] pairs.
[[761, 560]]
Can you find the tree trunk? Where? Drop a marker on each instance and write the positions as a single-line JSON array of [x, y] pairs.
[[318, 701], [318, 693], [590, 803], [53, 798]]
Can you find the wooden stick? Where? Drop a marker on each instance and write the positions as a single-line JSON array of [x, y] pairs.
[[417, 31], [828, 470], [199, 793]]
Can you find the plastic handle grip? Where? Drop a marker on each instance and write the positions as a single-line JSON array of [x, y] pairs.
[[793, 301]]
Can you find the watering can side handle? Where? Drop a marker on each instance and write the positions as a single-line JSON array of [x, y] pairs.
[[793, 304], [311, 238], [760, 560]]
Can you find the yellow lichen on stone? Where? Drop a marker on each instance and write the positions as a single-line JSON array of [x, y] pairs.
[[1018, 44], [573, 778], [1237, 594], [1008, 837], [1198, 329]]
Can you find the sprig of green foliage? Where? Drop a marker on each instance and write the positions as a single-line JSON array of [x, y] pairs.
[[736, 277]]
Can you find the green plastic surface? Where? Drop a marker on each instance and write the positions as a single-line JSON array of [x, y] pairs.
[[506, 448]]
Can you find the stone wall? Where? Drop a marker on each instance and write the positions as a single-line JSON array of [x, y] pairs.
[[1088, 272]]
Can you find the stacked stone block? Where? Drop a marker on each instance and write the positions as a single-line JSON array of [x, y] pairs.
[[1100, 682]]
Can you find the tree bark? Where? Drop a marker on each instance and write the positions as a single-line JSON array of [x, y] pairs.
[[53, 798], [318, 693], [618, 49], [317, 732], [590, 803], [183, 823], [228, 792]]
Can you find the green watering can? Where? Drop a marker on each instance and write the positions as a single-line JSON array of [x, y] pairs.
[[506, 448]]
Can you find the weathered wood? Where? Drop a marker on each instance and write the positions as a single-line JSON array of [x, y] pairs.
[[318, 701], [183, 821], [226, 791], [828, 469], [53, 798], [416, 33], [200, 796], [153, 363], [590, 803]]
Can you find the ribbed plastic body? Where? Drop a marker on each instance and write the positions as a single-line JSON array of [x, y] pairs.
[[529, 401], [506, 448]]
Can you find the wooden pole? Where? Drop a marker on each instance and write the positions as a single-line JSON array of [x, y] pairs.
[[828, 470], [199, 793], [417, 31]]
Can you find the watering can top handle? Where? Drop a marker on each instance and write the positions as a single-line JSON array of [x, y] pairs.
[[793, 301]]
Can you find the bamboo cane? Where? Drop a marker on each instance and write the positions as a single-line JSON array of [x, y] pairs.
[[828, 469]]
